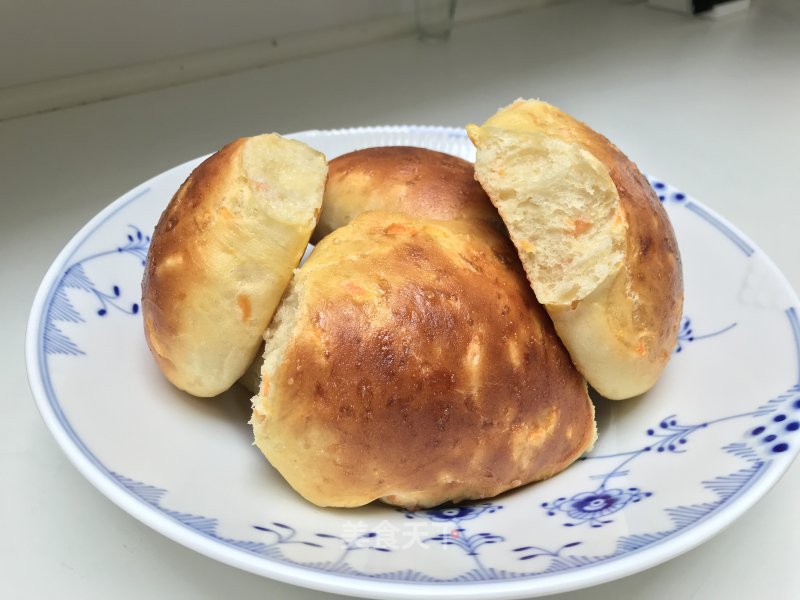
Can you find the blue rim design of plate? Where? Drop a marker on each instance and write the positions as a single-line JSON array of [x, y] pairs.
[[760, 437]]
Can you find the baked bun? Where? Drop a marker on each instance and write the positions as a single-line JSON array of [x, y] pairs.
[[415, 181], [222, 255], [410, 361], [593, 238]]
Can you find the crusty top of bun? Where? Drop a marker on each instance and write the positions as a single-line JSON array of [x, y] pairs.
[[610, 274], [415, 181], [223, 253], [410, 361]]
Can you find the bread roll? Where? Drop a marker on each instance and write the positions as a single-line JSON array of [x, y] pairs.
[[222, 255], [409, 361], [595, 241], [415, 181]]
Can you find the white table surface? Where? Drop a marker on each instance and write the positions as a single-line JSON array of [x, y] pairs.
[[711, 107]]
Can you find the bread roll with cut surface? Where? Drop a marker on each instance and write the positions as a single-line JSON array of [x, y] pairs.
[[410, 361], [593, 237], [222, 255], [414, 181]]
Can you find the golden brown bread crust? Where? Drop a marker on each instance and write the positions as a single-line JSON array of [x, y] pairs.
[[622, 335], [410, 361], [410, 180], [180, 237], [222, 254]]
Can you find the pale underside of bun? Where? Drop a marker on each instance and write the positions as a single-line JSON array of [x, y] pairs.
[[410, 362], [595, 242], [222, 255], [414, 181]]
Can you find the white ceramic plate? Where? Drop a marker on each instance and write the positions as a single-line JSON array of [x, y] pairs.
[[670, 469]]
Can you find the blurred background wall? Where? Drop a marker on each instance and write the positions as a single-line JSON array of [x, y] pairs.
[[59, 54]]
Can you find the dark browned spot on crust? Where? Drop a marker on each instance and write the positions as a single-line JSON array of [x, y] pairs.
[[644, 245]]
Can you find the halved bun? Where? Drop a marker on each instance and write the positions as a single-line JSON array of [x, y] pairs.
[[222, 255], [415, 181], [593, 238], [410, 361]]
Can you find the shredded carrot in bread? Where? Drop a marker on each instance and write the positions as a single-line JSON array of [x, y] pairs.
[[581, 227], [243, 300], [396, 228], [353, 287]]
